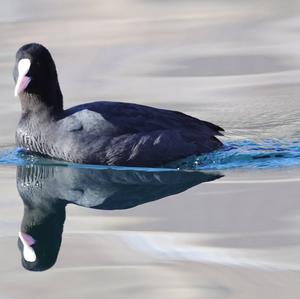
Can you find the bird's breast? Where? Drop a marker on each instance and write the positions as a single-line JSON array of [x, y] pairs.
[[30, 141]]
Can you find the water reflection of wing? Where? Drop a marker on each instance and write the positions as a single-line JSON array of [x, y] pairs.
[[46, 190], [103, 189]]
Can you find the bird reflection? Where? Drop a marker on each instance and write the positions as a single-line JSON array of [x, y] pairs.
[[46, 190]]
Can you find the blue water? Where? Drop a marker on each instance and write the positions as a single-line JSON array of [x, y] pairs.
[[244, 154], [249, 154]]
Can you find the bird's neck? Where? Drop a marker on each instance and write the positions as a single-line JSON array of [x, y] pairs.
[[40, 102], [49, 213]]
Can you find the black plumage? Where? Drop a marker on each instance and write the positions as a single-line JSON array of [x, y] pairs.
[[111, 133]]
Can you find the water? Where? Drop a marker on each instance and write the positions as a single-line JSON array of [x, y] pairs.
[[240, 154], [248, 154], [225, 224]]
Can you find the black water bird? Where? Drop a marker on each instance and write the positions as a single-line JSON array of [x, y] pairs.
[[108, 133], [46, 190]]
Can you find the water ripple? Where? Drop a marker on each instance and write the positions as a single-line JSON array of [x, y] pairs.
[[250, 154], [244, 154]]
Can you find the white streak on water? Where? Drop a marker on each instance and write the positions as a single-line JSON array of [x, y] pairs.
[[176, 247]]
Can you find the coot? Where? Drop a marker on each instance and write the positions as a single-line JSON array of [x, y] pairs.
[[111, 133]]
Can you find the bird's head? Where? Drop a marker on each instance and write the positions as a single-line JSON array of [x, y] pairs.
[[39, 243], [36, 77]]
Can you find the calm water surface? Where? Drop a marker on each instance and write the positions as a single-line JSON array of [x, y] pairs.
[[227, 229]]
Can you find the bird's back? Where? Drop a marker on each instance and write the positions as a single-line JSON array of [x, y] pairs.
[[129, 134]]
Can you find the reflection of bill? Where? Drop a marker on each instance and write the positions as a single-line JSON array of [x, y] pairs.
[[46, 190]]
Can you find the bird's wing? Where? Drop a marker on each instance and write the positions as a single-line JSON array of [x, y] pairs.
[[132, 134], [161, 146], [132, 118]]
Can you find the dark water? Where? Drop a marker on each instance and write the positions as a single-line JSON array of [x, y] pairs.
[[47, 190]]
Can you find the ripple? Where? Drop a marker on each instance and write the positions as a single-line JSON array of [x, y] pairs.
[[250, 154], [225, 65], [243, 154]]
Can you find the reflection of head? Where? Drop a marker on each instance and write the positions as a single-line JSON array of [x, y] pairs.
[[39, 242], [46, 190]]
